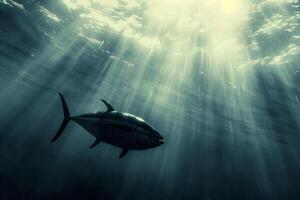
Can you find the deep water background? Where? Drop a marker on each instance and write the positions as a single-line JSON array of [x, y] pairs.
[[221, 142]]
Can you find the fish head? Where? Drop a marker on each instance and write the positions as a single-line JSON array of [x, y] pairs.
[[145, 135], [156, 138], [148, 138]]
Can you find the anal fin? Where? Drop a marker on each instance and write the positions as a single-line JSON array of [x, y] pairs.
[[123, 153], [97, 141]]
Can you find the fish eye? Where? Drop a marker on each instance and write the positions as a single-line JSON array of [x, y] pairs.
[[152, 134], [139, 128]]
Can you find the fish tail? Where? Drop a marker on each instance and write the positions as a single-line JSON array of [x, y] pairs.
[[66, 119]]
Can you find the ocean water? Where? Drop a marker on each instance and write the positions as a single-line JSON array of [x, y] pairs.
[[218, 79]]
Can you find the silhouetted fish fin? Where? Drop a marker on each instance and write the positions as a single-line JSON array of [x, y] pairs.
[[97, 141], [123, 153], [109, 107], [66, 119]]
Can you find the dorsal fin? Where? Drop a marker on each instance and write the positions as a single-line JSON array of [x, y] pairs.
[[109, 107]]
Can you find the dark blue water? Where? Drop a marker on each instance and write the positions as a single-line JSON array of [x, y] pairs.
[[229, 116]]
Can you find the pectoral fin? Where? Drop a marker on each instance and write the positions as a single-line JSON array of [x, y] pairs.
[[97, 141], [123, 153]]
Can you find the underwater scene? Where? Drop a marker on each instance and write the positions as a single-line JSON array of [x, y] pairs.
[[150, 99]]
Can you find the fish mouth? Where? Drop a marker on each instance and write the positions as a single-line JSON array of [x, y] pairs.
[[159, 141]]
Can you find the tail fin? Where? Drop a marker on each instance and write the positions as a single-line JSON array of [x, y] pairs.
[[66, 119]]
